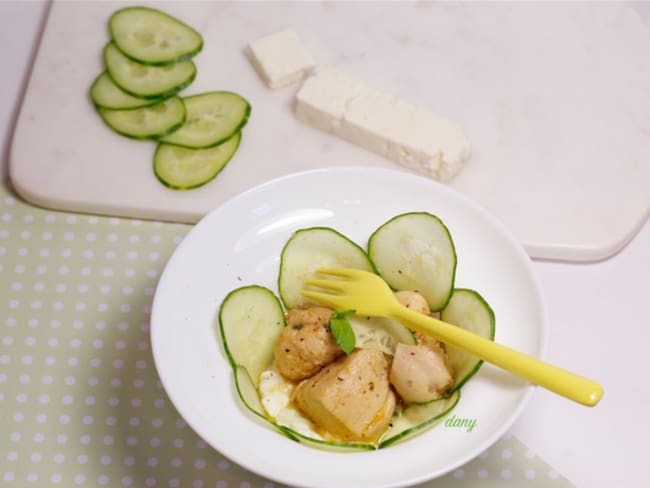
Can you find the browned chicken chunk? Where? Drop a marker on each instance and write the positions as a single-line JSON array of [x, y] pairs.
[[351, 398], [413, 300], [421, 373], [306, 343]]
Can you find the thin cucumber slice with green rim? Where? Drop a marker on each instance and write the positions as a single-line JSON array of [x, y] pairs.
[[181, 168], [469, 310], [105, 93], [149, 122], [211, 119], [414, 251], [248, 395], [145, 81], [153, 37], [416, 417], [250, 320], [328, 445], [310, 249]]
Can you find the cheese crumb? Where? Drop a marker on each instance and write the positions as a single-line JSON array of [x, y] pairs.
[[280, 58]]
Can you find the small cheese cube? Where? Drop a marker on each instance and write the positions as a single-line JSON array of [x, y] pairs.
[[393, 128], [280, 58]]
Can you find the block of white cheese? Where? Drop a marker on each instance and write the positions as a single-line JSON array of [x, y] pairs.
[[409, 135], [280, 58]]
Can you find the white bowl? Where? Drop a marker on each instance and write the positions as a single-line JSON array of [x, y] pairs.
[[239, 243]]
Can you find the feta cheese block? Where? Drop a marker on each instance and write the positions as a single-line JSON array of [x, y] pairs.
[[280, 58], [409, 135]]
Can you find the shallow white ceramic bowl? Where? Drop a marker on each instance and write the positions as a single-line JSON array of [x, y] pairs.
[[239, 243]]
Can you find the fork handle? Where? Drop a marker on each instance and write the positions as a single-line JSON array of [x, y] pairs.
[[558, 380]]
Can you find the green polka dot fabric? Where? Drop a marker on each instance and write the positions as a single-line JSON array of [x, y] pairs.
[[80, 400]]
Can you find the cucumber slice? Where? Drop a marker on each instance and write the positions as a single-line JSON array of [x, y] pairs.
[[247, 391], [105, 93], [211, 119], [414, 251], [329, 445], [380, 333], [148, 122], [145, 81], [310, 249], [153, 37], [250, 321], [417, 417], [469, 310], [181, 168], [248, 395]]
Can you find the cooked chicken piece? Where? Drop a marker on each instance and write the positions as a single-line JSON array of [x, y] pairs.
[[351, 398], [421, 372], [306, 343], [413, 300]]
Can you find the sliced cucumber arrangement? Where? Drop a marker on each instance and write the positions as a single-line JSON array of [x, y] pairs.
[[181, 168], [212, 118], [144, 81], [148, 62], [106, 94], [414, 251], [252, 318], [150, 122], [152, 37], [469, 310], [310, 249]]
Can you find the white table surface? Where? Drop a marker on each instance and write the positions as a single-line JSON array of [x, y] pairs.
[[590, 306]]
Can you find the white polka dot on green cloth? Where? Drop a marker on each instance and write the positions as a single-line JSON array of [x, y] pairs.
[[81, 400]]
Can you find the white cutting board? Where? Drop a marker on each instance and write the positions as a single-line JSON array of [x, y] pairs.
[[555, 99]]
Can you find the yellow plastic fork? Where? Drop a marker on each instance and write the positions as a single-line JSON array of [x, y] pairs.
[[368, 294]]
